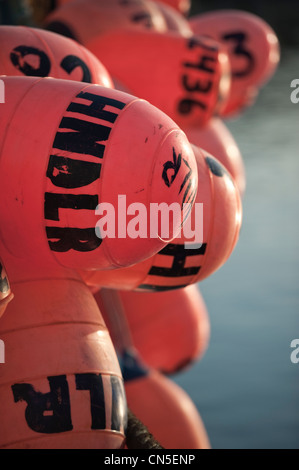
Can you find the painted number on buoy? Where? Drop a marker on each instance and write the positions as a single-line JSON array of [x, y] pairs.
[[239, 39], [43, 65], [202, 86], [51, 412]]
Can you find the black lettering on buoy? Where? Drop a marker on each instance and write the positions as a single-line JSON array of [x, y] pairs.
[[62, 239], [216, 168], [196, 41], [17, 59], [186, 105], [80, 137], [174, 166], [119, 416], [198, 88], [180, 254], [204, 63], [177, 269], [70, 62], [57, 401], [96, 106], [240, 38], [94, 383], [54, 202], [69, 173], [187, 179], [84, 140], [197, 85], [51, 412], [156, 288], [88, 134]]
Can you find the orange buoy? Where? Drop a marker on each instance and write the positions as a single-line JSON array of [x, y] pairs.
[[183, 6], [35, 52], [61, 386], [165, 409], [174, 19], [97, 145], [253, 50], [186, 77], [169, 330], [182, 261], [216, 138], [83, 19], [5, 292]]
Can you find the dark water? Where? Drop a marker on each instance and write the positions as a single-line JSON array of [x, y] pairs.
[[246, 387]]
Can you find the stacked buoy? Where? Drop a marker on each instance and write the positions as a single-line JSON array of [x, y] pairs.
[[115, 112]]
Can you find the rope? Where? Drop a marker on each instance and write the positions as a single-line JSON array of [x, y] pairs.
[[138, 436]]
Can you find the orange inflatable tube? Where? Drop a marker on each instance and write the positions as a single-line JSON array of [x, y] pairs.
[[216, 138], [165, 409], [253, 50], [169, 330], [183, 6], [180, 6], [34, 52], [186, 77], [179, 264], [61, 386], [82, 19], [174, 19], [54, 176]]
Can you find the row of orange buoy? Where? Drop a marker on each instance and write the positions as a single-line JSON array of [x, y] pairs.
[[108, 102]]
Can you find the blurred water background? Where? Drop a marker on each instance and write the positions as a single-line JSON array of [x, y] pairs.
[[246, 388]]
